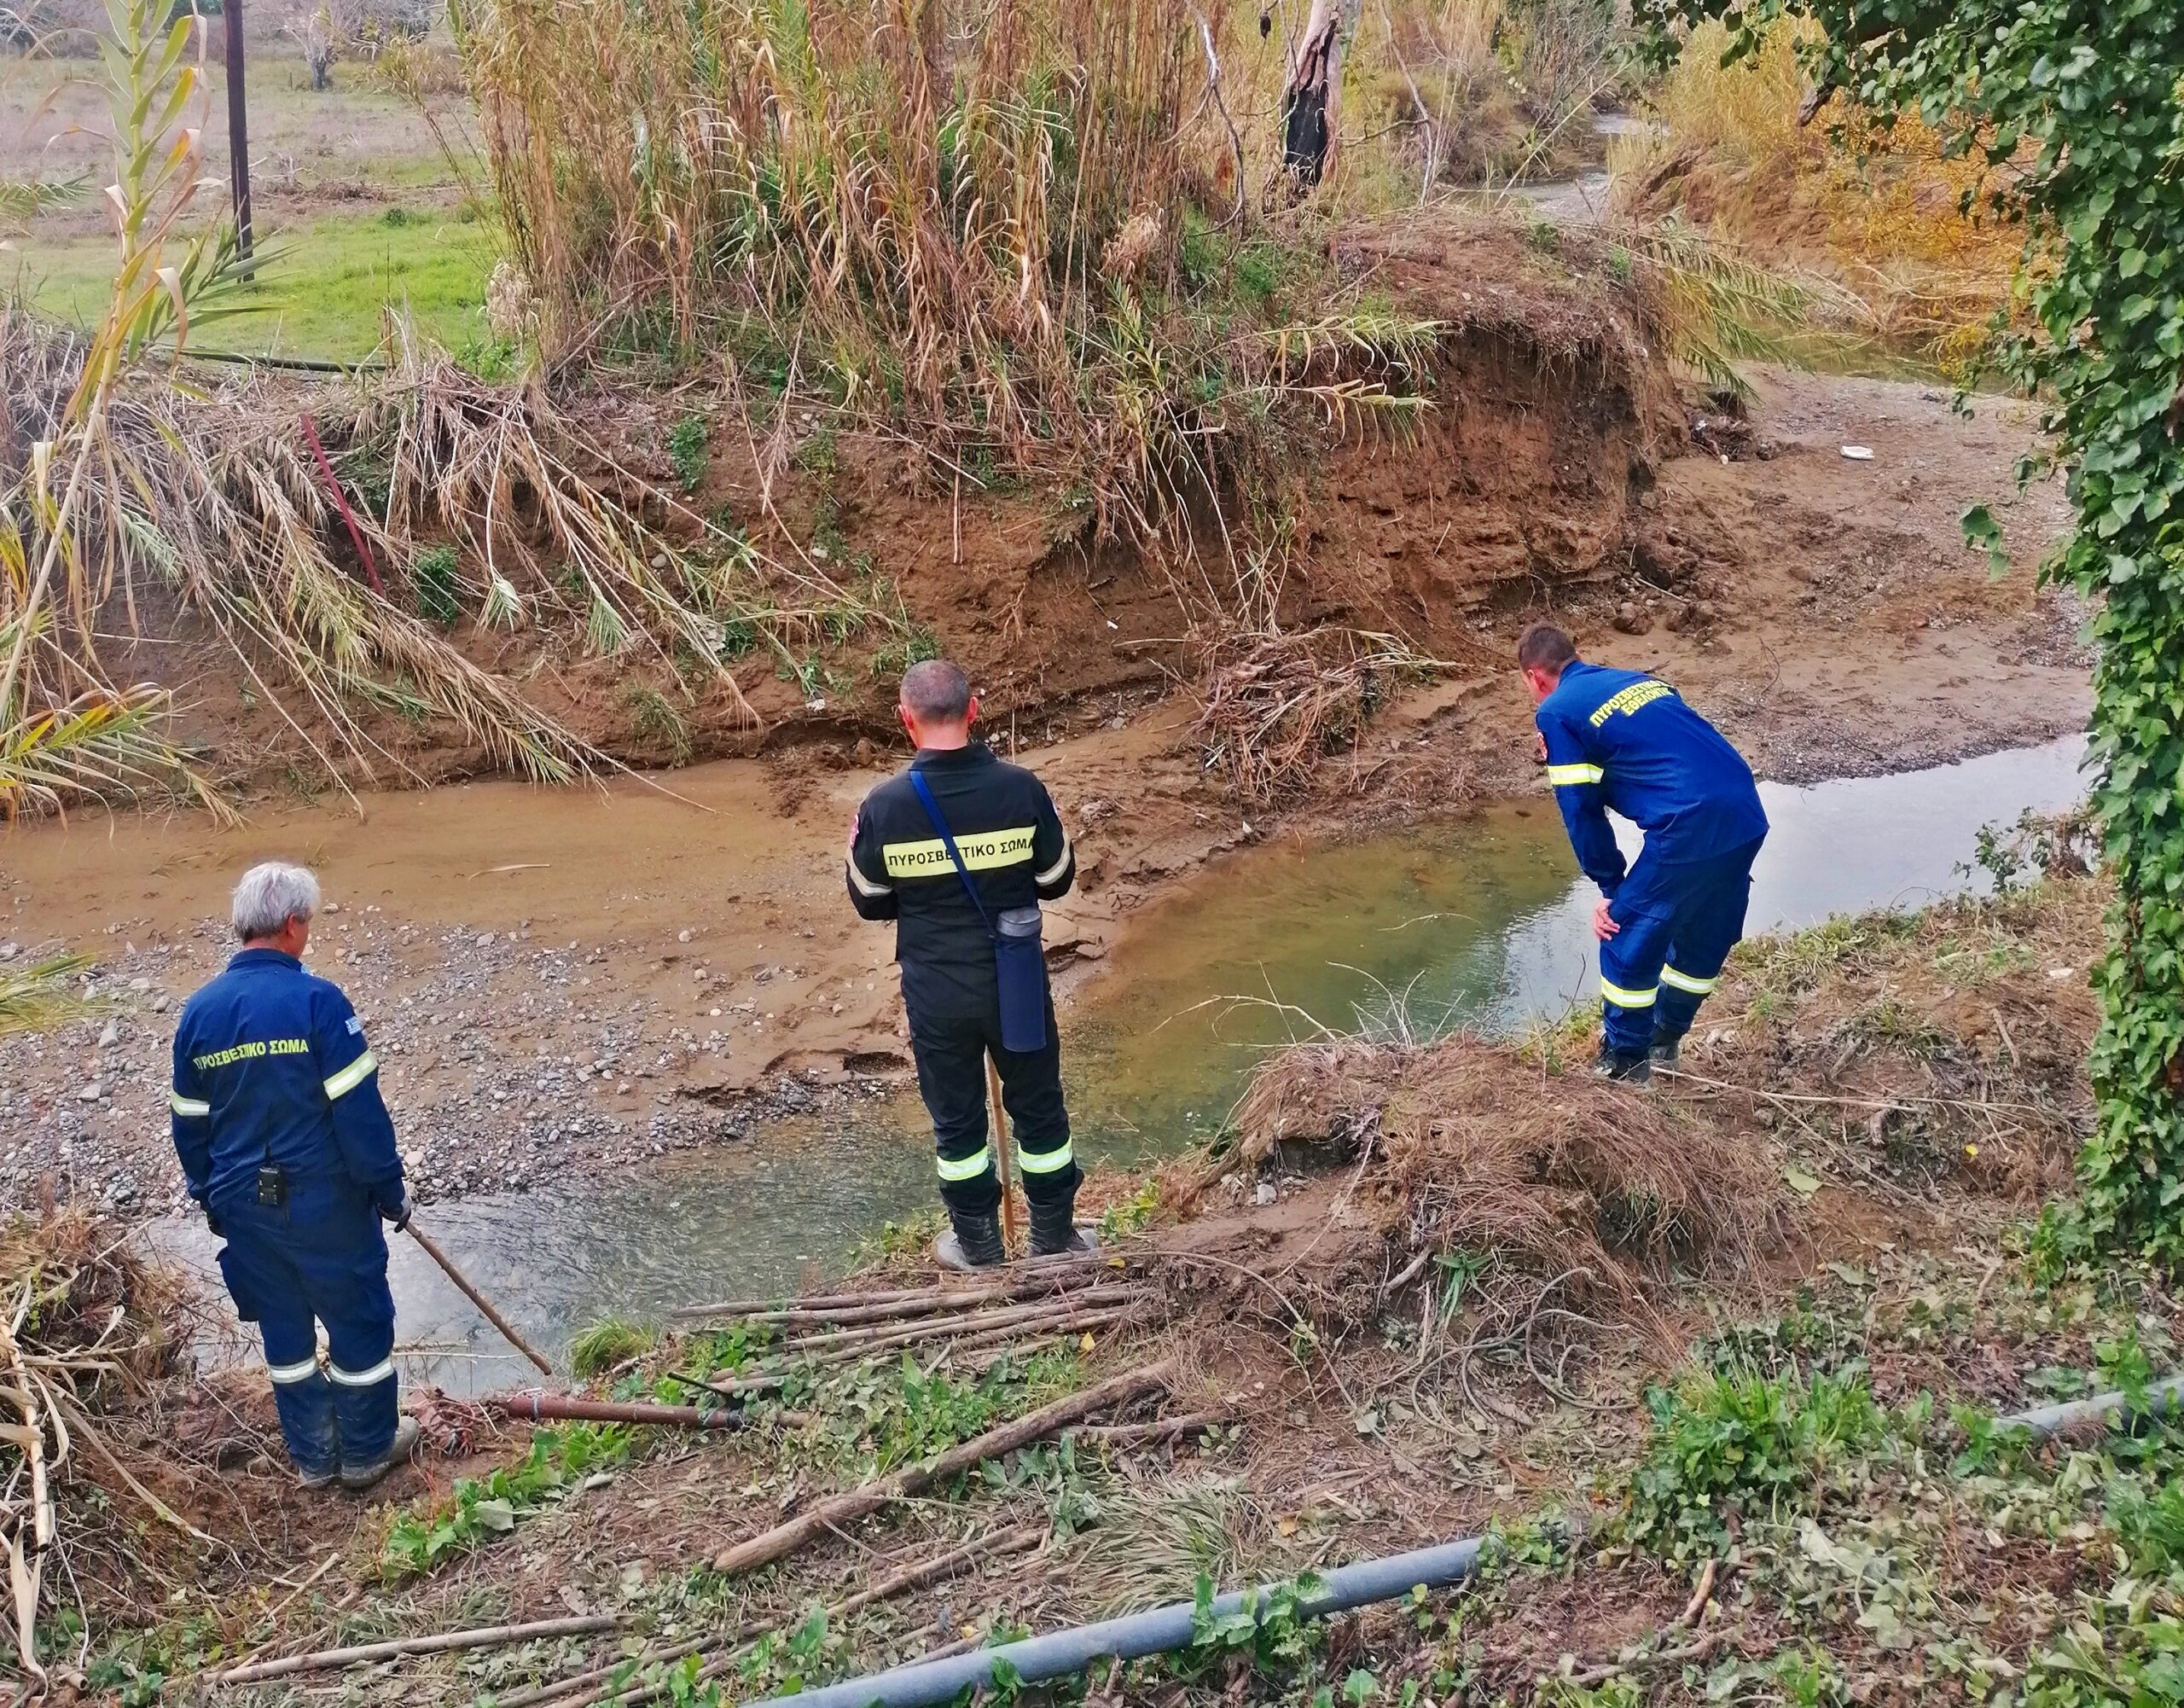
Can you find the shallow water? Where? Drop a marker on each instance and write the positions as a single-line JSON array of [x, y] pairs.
[[1480, 921]]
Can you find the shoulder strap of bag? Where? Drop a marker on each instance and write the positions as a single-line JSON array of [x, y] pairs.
[[947, 838]]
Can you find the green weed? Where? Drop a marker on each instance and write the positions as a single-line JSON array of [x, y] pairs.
[[435, 583], [561, 1459], [599, 1348], [1724, 1444], [655, 720], [690, 450]]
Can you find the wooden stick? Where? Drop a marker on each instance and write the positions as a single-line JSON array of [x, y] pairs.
[[537, 1407], [1125, 1434], [1001, 1158], [439, 1642], [839, 1509], [1052, 1275], [853, 1313], [477, 1297], [891, 1335]]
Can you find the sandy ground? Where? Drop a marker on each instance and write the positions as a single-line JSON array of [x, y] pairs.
[[558, 979]]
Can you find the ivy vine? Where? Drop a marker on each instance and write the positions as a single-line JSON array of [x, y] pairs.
[[2077, 108]]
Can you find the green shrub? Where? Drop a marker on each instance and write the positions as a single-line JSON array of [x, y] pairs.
[[435, 585], [688, 444], [1743, 1444]]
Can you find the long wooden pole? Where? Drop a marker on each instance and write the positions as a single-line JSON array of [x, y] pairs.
[[1001, 1159], [238, 129], [478, 1299]]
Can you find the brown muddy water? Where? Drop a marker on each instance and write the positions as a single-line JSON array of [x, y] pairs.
[[1478, 921]]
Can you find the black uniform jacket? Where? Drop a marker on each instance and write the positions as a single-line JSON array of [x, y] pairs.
[[1011, 837]]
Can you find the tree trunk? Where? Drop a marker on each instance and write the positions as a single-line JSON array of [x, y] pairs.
[[1311, 101]]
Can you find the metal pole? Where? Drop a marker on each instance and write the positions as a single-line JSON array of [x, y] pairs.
[[1057, 1654], [238, 130], [478, 1299]]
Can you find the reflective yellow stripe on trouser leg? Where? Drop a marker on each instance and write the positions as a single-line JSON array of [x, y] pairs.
[[1689, 985], [967, 1168], [1628, 999], [1045, 1162]]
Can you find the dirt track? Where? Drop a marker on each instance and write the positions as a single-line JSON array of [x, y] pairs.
[[553, 978]]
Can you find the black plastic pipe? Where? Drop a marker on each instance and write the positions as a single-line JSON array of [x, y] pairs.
[[1057, 1654]]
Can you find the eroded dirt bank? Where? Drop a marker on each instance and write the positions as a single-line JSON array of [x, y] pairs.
[[560, 979]]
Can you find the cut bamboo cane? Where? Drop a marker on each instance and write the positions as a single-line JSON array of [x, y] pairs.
[[887, 1335], [439, 1642], [1051, 1274], [839, 1509]]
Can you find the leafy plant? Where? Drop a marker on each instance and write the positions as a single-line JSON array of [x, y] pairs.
[[655, 719], [689, 444], [598, 1348], [436, 586], [1747, 1444], [560, 1458]]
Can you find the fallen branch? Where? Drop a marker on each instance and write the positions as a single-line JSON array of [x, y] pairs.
[[1596, 1675], [844, 1508], [439, 1642], [1053, 1275], [1159, 1429], [1019, 1318], [536, 1406]]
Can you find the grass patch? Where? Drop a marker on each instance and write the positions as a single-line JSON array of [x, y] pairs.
[[599, 1348], [321, 293]]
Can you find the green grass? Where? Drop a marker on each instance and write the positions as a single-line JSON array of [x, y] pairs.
[[323, 291]]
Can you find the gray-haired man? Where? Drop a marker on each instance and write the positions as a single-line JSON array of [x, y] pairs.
[[289, 1150]]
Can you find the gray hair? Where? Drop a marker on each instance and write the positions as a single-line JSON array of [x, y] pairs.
[[938, 691], [271, 895]]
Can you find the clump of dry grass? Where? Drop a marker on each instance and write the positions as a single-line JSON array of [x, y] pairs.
[[1877, 209], [1474, 1151]]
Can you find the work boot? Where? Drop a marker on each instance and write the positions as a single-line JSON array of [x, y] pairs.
[[1666, 1050], [1055, 1232], [317, 1479], [363, 1476], [971, 1242], [1625, 1069]]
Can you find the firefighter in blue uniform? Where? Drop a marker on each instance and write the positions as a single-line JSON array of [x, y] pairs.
[[1623, 742], [287, 1148]]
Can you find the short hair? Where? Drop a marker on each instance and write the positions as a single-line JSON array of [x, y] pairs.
[[938, 691], [271, 895], [1543, 646]]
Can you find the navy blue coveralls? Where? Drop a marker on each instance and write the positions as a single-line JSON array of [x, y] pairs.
[[270, 1067], [1621, 742]]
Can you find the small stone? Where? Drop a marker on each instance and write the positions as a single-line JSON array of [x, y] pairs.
[[9, 951], [160, 1003], [1264, 1193], [683, 935], [485, 939], [111, 1036], [90, 1093]]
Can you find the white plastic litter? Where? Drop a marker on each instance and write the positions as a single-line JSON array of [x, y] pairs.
[[1859, 453]]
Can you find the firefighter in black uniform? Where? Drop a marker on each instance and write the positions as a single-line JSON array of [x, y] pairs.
[[953, 909]]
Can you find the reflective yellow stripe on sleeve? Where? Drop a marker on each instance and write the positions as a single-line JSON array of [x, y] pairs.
[[1563, 776], [967, 1168], [1628, 999], [189, 1108], [350, 1077], [864, 885], [1683, 981]]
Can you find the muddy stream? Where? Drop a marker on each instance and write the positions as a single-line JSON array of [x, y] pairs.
[[1478, 922]]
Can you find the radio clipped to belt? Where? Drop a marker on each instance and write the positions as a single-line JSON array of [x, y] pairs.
[[1020, 962]]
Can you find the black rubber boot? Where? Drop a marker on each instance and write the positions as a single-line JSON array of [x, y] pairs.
[[971, 1242], [1626, 1070], [1666, 1051], [1055, 1232]]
